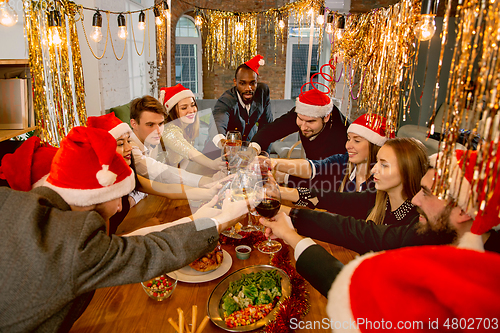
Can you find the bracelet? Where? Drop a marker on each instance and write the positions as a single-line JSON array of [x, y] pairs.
[[304, 196]]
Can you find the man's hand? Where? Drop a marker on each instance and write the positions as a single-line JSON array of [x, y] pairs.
[[281, 227]]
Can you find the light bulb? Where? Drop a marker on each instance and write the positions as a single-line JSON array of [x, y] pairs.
[[8, 16], [239, 26], [339, 33], [122, 27], [329, 24], [54, 37], [141, 25], [122, 32], [320, 19], [166, 10], [425, 28], [329, 28], [96, 34], [281, 24], [198, 21], [158, 18], [310, 11]]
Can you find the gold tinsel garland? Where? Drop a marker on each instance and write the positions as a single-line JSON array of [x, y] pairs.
[[473, 98], [58, 90], [378, 53], [232, 38]]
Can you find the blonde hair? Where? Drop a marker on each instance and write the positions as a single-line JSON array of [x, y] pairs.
[[372, 158], [192, 130], [413, 163]]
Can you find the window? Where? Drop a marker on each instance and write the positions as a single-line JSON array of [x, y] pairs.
[[188, 56], [296, 58]]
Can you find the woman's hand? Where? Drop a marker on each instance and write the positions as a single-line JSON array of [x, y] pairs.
[[218, 164], [207, 210], [232, 212]]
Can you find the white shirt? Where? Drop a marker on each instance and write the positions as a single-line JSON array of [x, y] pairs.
[[148, 167]]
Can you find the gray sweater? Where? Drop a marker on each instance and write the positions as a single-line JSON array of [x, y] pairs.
[[52, 257]]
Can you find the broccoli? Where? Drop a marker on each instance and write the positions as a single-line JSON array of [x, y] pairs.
[[267, 283], [250, 292], [230, 305], [263, 298]]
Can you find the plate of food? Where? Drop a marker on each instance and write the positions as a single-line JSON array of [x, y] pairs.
[[248, 298], [206, 268]]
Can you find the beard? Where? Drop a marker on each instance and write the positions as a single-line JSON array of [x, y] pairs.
[[441, 230]]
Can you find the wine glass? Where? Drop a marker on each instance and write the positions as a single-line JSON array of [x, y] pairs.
[[244, 156], [268, 201]]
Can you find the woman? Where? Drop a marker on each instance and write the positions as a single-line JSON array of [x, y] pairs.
[[121, 132], [349, 172], [181, 129], [401, 164]]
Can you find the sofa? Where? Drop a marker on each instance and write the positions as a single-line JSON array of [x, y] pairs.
[[288, 147], [420, 132]]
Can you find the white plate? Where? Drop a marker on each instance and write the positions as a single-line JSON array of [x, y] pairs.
[[187, 274]]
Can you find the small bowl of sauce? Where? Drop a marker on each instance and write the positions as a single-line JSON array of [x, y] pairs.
[[243, 252]]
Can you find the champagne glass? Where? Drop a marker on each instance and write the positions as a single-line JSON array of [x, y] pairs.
[[268, 201], [230, 147], [242, 188]]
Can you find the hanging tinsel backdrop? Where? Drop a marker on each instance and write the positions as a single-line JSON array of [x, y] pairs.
[[378, 50], [56, 68], [233, 38], [473, 96]]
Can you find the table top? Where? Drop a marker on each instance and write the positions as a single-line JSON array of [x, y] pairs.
[[127, 308]]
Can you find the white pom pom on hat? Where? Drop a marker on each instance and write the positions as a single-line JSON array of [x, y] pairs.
[[87, 170], [255, 63]]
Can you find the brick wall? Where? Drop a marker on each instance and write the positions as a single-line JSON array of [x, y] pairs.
[[218, 80]]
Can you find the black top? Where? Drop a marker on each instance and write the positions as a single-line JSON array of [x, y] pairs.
[[363, 236], [230, 115], [330, 141]]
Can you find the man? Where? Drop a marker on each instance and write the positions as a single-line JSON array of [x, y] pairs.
[[440, 221], [243, 108], [322, 127], [147, 118], [54, 250]]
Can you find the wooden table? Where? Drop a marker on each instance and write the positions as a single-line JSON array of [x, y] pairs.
[[128, 309]]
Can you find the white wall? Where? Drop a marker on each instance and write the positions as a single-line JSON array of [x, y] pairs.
[[107, 81], [12, 38]]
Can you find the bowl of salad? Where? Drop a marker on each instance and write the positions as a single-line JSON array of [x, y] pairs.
[[248, 298]]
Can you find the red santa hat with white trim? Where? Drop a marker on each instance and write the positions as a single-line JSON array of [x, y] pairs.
[[29, 165], [109, 122], [419, 288], [372, 127], [480, 203], [255, 63], [314, 103], [87, 170], [170, 96]]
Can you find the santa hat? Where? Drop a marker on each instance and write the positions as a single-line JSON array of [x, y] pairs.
[[87, 170], [420, 286], [170, 96], [462, 173], [109, 122], [372, 127], [255, 63], [29, 165], [313, 103]]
